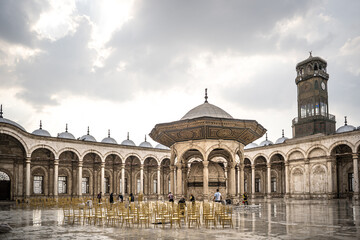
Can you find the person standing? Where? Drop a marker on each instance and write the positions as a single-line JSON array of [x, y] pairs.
[[99, 197], [217, 196], [171, 197], [111, 199], [245, 198], [121, 198], [192, 198]]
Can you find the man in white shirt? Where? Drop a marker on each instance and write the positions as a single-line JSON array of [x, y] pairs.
[[217, 196]]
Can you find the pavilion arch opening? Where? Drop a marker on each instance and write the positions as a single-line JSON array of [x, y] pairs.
[[42, 160], [344, 177], [260, 176], [12, 161]]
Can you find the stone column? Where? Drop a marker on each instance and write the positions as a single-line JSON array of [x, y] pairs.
[[205, 180], [179, 181], [329, 164], [287, 187], [28, 177], [307, 178], [238, 181], [102, 176], [80, 165], [356, 177], [172, 186], [232, 181], [56, 178], [142, 178], [269, 180], [158, 180], [123, 178], [242, 178], [253, 181]]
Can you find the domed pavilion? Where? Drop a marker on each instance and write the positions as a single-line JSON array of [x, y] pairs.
[[207, 144]]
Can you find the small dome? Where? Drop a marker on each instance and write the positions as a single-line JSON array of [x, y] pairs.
[[88, 137], [251, 145], [345, 128], [160, 146], [109, 139], [8, 121], [66, 134], [206, 110], [282, 139], [266, 142], [41, 132], [145, 144], [128, 142]]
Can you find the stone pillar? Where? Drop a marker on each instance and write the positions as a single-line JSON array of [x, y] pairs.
[[28, 177], [329, 164], [205, 180], [287, 187], [123, 178], [80, 165], [253, 181], [184, 179], [56, 176], [269, 180], [238, 181], [142, 178], [179, 181], [232, 181], [242, 178], [158, 180], [172, 186], [102, 178], [356, 177], [307, 179]]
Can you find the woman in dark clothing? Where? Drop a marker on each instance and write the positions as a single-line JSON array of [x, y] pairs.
[[111, 198]]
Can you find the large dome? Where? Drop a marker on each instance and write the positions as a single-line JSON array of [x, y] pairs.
[[88, 137], [345, 128], [66, 134], [8, 121], [128, 142], [109, 139], [206, 110]]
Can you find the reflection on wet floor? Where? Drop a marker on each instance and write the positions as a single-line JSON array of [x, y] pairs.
[[275, 220]]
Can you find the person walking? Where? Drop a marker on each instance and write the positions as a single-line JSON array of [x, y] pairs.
[[99, 197], [171, 197], [217, 196]]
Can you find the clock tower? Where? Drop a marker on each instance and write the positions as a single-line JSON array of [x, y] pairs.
[[312, 94]]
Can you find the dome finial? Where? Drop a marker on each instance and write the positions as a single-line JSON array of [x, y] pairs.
[[66, 128], [310, 52], [40, 125], [1, 112], [145, 137], [88, 131], [128, 136], [345, 120], [108, 133], [283, 133], [206, 96], [266, 137]]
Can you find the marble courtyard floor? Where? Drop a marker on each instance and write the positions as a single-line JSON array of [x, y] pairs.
[[336, 219]]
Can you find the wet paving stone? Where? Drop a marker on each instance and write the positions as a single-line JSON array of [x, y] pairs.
[[265, 220]]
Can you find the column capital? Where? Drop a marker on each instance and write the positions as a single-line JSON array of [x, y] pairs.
[[205, 163], [141, 166], [253, 167], [172, 167], [159, 168], [56, 161], [80, 163], [355, 156], [241, 166], [268, 165], [330, 159], [102, 165], [123, 165], [28, 160], [307, 161]]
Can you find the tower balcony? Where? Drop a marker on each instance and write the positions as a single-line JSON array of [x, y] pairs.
[[315, 117]]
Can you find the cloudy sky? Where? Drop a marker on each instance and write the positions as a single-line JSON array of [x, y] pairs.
[[128, 65]]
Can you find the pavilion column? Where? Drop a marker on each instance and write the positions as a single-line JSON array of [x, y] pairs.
[[102, 178], [205, 180], [232, 181], [142, 178], [28, 177], [80, 165], [179, 181], [172, 185], [253, 181], [184, 179], [158, 180], [287, 187], [123, 178], [356, 176], [269, 180], [56, 176], [238, 181], [329, 162], [307, 178], [242, 190]]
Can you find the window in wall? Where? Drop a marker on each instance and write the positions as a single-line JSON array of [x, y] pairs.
[[317, 109], [351, 181], [245, 185], [155, 186], [303, 111], [38, 184], [257, 184], [62, 182], [138, 186], [85, 185], [273, 184], [107, 185]]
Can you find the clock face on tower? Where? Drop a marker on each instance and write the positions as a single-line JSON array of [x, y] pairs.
[[323, 86]]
